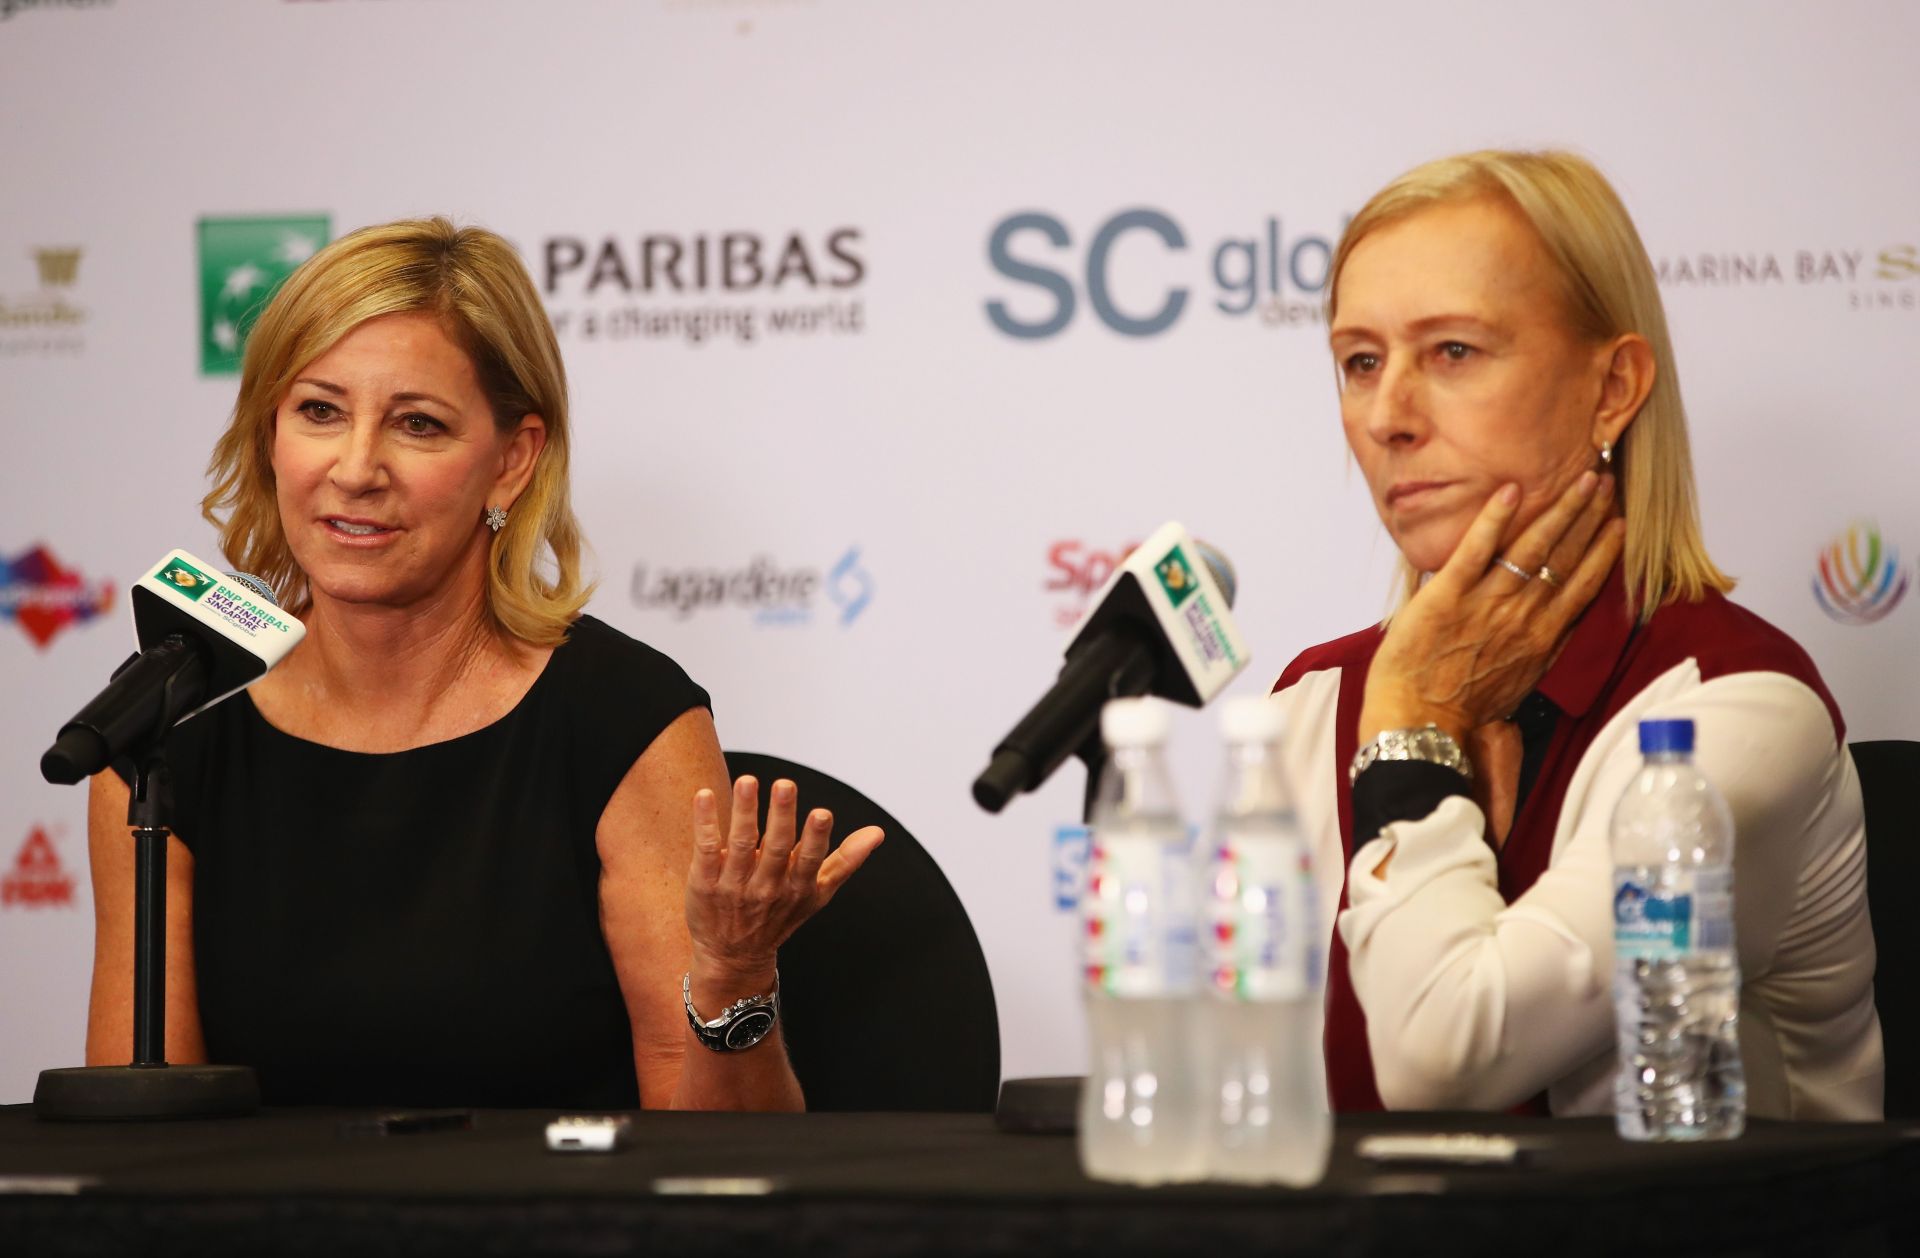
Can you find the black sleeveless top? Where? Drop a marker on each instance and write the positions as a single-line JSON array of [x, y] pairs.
[[422, 928]]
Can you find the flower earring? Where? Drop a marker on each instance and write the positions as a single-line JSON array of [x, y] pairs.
[[496, 518]]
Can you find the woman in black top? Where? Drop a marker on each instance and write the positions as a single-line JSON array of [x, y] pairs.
[[465, 845]]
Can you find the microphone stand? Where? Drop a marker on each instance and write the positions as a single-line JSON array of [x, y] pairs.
[[148, 1087]]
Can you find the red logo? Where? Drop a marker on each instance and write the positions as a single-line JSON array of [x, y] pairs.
[[1076, 570], [36, 879], [45, 598]]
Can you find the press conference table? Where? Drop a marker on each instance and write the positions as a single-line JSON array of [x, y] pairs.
[[312, 1182]]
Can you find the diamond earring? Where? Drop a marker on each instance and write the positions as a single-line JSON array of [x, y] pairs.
[[496, 518], [1606, 452]]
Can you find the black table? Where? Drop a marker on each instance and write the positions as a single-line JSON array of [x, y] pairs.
[[302, 1182]]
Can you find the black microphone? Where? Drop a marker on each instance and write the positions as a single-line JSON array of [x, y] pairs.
[[1159, 626], [203, 635]]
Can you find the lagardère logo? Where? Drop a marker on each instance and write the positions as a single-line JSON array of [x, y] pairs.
[[770, 593], [738, 286], [1859, 578], [1270, 274], [43, 597]]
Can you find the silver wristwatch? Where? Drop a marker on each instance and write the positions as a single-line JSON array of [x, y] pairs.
[[1429, 743], [740, 1025]]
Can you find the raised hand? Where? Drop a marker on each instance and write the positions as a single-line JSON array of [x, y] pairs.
[[747, 893], [1478, 636]]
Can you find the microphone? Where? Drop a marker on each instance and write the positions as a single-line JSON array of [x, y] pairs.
[[1159, 626], [203, 636]]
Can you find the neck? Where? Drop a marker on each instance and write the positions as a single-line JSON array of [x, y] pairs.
[[383, 657]]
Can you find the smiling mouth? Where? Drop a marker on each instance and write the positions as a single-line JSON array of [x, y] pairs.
[[356, 529]]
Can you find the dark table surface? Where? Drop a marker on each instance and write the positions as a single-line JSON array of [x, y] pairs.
[[311, 1181]]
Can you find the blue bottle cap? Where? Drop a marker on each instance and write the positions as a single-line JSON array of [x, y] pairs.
[[1666, 736]]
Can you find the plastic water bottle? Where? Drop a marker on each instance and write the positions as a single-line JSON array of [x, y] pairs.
[[1676, 985], [1266, 1073], [1140, 1113]]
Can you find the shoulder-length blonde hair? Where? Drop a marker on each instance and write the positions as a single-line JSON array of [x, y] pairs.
[[1609, 288], [472, 281]]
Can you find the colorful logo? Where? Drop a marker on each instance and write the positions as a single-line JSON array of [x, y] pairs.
[[1176, 576], [1076, 570], [1860, 578], [243, 261], [771, 593], [43, 598], [36, 880], [185, 578], [850, 586]]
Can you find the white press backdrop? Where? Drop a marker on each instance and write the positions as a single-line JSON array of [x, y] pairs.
[[917, 488]]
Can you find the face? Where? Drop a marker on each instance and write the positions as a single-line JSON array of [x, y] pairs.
[[385, 458], [1459, 374]]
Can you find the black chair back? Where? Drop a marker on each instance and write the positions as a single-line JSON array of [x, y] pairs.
[[885, 996], [1890, 789]]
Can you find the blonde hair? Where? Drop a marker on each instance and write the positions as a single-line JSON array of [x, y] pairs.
[[472, 281], [1609, 289]]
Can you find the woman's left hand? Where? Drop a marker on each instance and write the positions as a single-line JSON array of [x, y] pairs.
[[747, 894], [1477, 637]]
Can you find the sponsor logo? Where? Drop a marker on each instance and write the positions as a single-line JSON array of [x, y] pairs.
[[770, 593], [1859, 578], [1270, 274], [186, 578], [42, 597], [740, 287], [1176, 576], [243, 261], [1871, 279], [1075, 569], [36, 880], [10, 7], [45, 320]]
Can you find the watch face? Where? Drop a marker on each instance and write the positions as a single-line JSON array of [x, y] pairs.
[[750, 1028]]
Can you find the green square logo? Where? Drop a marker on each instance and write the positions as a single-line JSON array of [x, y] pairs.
[[1176, 576], [243, 261], [185, 578]]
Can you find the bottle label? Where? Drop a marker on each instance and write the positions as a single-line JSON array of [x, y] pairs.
[[1137, 918], [1687, 911], [1265, 938]]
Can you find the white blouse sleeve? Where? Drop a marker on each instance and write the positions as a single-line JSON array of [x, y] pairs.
[[1474, 1003]]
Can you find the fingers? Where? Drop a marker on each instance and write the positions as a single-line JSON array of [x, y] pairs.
[[778, 842], [1471, 558], [709, 848], [847, 859], [1566, 554], [1585, 581], [745, 836], [1531, 549], [811, 852]]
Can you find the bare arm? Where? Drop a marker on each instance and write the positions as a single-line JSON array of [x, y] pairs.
[[676, 845], [110, 1003]]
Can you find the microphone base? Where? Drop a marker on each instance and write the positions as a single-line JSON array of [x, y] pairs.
[[136, 1093], [1047, 1106]]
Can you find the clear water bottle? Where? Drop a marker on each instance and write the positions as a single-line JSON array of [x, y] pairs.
[[1676, 984], [1140, 1113], [1266, 1074]]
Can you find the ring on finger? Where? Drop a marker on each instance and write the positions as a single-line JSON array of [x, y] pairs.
[[1513, 567], [1549, 576]]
